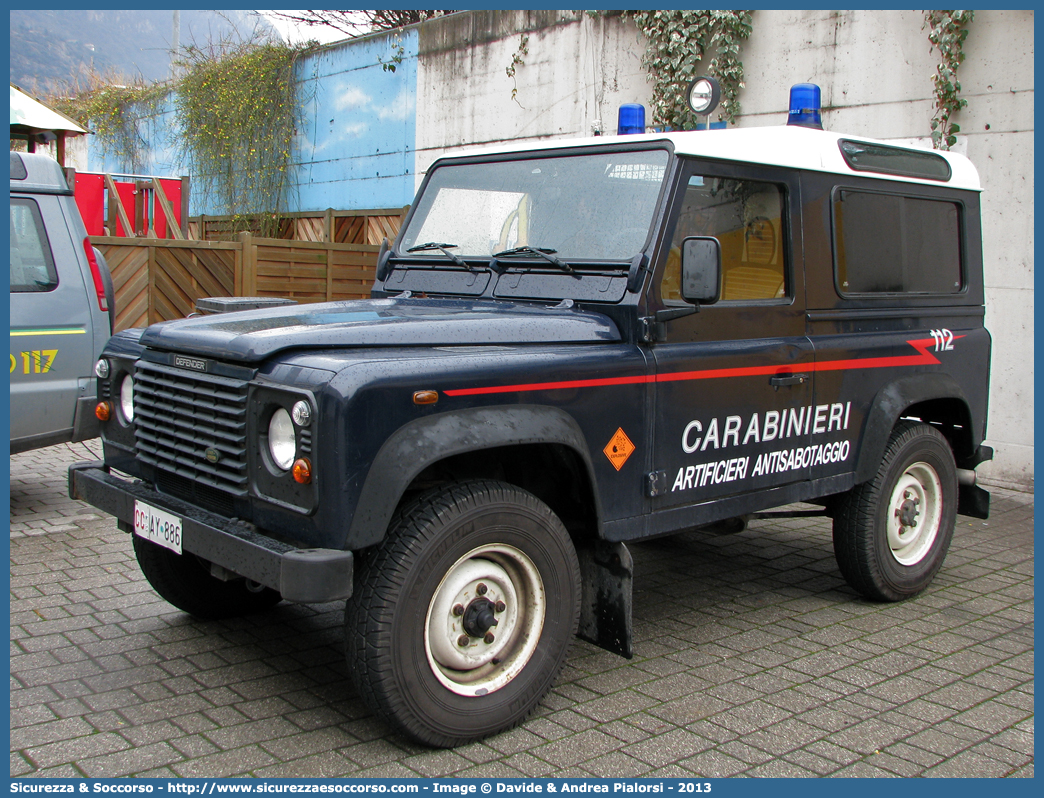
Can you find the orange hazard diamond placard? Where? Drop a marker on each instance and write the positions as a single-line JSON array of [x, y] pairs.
[[619, 449]]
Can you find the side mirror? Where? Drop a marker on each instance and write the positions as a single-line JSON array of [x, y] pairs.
[[701, 270]]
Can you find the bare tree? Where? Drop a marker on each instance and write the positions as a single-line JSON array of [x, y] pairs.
[[359, 23]]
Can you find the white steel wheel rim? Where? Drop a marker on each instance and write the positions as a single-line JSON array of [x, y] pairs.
[[914, 514], [477, 668]]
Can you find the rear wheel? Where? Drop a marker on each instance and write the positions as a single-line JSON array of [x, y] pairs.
[[891, 534], [463, 615], [185, 581]]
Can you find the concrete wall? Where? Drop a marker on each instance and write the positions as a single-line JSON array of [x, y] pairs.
[[875, 70], [997, 78], [578, 71]]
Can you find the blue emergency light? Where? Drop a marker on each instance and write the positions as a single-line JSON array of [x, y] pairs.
[[631, 119], [805, 105]]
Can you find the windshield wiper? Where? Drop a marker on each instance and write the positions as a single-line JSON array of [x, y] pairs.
[[546, 253], [444, 249]]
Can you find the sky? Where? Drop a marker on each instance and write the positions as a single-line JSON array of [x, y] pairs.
[[295, 34]]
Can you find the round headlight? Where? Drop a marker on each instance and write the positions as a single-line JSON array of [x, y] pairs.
[[282, 443], [101, 368], [127, 398]]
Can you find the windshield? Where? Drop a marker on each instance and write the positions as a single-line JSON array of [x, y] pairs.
[[582, 207]]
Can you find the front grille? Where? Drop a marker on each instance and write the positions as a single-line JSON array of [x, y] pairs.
[[179, 415], [217, 501]]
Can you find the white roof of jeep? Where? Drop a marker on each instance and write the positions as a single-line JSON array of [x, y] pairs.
[[788, 146]]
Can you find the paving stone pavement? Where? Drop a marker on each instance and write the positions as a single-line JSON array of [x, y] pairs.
[[753, 658]]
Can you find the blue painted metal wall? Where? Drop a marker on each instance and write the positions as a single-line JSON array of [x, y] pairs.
[[355, 145], [360, 124]]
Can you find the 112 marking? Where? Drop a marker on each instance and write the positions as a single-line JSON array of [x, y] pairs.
[[943, 340]]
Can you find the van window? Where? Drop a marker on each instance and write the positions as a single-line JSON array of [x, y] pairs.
[[891, 244], [746, 218], [17, 167], [32, 266]]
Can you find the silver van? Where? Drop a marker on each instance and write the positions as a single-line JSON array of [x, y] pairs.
[[62, 309]]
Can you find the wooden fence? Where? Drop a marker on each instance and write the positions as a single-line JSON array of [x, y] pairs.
[[339, 227], [161, 279]]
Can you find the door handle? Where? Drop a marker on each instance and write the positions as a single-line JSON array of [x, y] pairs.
[[788, 379]]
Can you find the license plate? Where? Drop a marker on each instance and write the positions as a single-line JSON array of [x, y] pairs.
[[156, 525]]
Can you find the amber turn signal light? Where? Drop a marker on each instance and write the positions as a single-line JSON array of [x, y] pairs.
[[302, 471], [103, 410], [425, 397]]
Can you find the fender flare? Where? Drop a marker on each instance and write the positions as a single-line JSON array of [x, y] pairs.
[[888, 406], [423, 441]]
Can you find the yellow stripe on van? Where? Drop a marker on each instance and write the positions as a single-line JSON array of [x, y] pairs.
[[19, 333]]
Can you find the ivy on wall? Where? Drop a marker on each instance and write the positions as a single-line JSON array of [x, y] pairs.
[[947, 31], [517, 60], [237, 116], [678, 41], [117, 113], [235, 111]]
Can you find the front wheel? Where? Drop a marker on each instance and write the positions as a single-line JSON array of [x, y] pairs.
[[891, 534], [463, 615]]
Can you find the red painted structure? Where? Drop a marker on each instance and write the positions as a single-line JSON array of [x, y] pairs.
[[136, 195]]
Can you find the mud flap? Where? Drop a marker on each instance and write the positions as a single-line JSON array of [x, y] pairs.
[[606, 571], [973, 501]]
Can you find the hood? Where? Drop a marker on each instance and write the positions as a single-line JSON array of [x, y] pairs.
[[254, 335]]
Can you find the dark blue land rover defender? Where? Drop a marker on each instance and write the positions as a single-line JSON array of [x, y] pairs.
[[569, 346]]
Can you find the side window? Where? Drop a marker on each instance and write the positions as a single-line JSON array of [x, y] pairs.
[[32, 266], [746, 217], [891, 244]]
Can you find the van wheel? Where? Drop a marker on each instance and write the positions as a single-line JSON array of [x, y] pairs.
[[462, 616], [185, 581], [891, 534]]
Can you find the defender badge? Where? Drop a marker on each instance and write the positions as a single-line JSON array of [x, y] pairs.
[[193, 363]]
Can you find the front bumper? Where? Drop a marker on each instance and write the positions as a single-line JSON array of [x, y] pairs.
[[306, 576]]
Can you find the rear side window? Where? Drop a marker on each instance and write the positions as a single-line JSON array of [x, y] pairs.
[[889, 244], [865, 157], [32, 265]]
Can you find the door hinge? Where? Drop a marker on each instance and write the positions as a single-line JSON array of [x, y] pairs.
[[650, 331], [653, 329], [656, 483]]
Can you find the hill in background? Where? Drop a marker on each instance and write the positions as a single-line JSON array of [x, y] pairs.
[[50, 49]]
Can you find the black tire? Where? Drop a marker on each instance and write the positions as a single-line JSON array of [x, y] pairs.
[[185, 581], [401, 633], [891, 534]]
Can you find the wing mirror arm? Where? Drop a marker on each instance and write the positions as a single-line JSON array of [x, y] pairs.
[[669, 314]]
